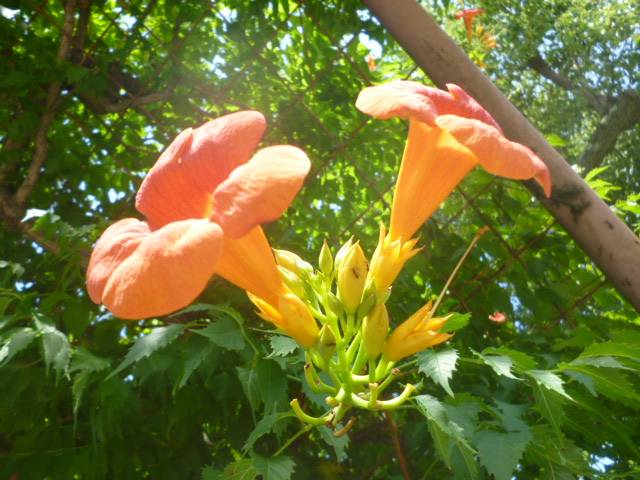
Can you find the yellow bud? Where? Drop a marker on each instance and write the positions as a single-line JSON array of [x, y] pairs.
[[297, 320], [326, 259], [293, 281], [327, 344], [293, 263], [342, 254], [374, 331], [352, 275]]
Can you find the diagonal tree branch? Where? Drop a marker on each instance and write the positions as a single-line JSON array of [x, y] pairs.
[[623, 115], [41, 142], [596, 100]]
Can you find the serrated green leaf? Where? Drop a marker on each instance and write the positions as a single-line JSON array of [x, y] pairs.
[[439, 366], [521, 360], [282, 346], [210, 473], [264, 426], [549, 380], [83, 359], [224, 332], [611, 349], [274, 468], [16, 340], [159, 338], [272, 385], [339, 444], [249, 381], [240, 470], [550, 405], [607, 362], [609, 382], [448, 436], [56, 349], [198, 349], [500, 364], [500, 452], [456, 322]]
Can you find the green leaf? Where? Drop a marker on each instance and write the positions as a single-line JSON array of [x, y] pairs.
[[224, 332], [197, 350], [456, 322], [501, 452], [16, 340], [549, 380], [159, 338], [556, 140], [56, 348], [439, 366], [500, 364], [282, 346], [612, 349], [83, 359], [240, 470], [210, 473], [272, 385], [264, 426], [609, 382], [550, 405], [520, 360], [339, 444], [249, 381], [448, 436], [274, 468]]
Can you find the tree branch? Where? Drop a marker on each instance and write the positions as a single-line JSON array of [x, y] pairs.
[[402, 460], [597, 101], [623, 115], [41, 143]]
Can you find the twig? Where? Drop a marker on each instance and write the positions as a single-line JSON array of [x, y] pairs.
[[41, 143], [402, 460]]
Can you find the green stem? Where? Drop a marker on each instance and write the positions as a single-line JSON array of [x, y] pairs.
[[292, 439]]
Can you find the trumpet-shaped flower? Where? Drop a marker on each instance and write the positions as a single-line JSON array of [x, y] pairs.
[[418, 332], [449, 134], [204, 201], [467, 15]]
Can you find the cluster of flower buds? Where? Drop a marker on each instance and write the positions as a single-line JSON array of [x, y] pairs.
[[352, 358]]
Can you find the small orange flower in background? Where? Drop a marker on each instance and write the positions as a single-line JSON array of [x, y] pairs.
[[498, 317], [371, 62], [204, 201], [467, 15]]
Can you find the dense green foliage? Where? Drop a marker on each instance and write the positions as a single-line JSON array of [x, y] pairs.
[[550, 393]]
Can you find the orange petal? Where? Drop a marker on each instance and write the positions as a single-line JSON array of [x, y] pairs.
[[167, 271], [248, 262], [496, 153], [387, 101], [432, 165], [406, 99], [115, 244], [180, 184], [260, 190]]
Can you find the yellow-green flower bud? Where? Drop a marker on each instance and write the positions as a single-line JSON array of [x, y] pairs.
[[326, 259], [352, 275], [327, 344], [334, 304], [374, 331], [342, 254], [293, 281], [293, 263], [369, 300]]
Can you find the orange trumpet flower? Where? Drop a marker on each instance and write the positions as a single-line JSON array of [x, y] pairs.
[[467, 15], [204, 201], [449, 134]]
